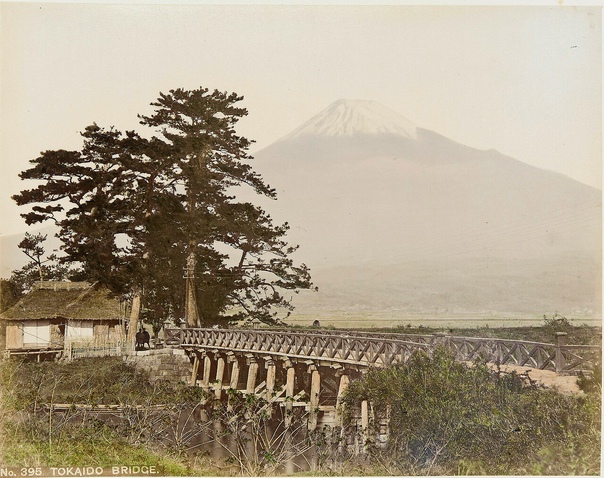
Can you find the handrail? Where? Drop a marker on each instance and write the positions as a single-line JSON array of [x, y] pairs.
[[379, 349], [344, 349]]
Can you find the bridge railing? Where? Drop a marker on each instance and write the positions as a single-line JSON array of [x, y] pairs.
[[381, 349], [330, 347], [558, 357]]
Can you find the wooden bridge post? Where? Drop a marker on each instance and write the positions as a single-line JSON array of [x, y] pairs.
[[251, 375], [207, 366], [234, 371], [219, 376], [313, 404], [271, 374], [289, 391], [560, 343], [193, 380], [364, 423], [234, 377], [344, 382]]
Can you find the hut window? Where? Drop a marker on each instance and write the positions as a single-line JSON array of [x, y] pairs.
[[36, 333], [79, 330]]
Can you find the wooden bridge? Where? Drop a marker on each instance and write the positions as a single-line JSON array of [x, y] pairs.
[[312, 368]]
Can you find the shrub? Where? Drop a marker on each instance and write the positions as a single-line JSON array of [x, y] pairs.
[[448, 418], [557, 323], [591, 382]]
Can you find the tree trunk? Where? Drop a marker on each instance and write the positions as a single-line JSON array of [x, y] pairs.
[[134, 317], [192, 318]]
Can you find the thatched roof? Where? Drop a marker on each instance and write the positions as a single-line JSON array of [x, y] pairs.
[[69, 300]]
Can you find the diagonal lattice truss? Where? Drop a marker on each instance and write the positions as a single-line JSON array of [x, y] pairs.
[[324, 346], [383, 349], [537, 355]]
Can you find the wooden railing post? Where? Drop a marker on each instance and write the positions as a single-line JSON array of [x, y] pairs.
[[560, 343]]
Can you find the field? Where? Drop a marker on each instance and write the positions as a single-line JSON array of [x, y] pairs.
[[389, 318]]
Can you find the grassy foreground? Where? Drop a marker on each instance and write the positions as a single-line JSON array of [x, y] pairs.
[[32, 437], [446, 418]]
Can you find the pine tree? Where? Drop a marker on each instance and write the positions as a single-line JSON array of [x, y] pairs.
[[132, 211], [40, 266]]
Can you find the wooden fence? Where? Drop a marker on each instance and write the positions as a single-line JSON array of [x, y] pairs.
[[75, 350]]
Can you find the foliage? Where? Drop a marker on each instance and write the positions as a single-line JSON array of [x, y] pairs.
[[40, 267], [109, 381], [33, 435], [577, 334], [449, 418], [160, 423], [591, 382], [91, 443], [9, 294], [252, 431], [557, 323], [131, 210]]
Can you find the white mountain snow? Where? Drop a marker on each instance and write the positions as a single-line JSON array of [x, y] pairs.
[[355, 117]]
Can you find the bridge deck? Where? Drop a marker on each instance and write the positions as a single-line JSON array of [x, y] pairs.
[[368, 349]]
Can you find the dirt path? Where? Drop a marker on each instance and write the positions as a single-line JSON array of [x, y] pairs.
[[547, 378]]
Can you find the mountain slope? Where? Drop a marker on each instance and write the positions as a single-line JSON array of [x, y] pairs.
[[365, 193]]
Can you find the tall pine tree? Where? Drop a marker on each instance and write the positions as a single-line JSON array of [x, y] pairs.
[[134, 211]]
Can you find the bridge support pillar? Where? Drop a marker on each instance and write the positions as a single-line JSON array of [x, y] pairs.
[[289, 393], [193, 380], [344, 382], [219, 377], [234, 382], [364, 423], [207, 366], [252, 373], [271, 375], [313, 404], [234, 372]]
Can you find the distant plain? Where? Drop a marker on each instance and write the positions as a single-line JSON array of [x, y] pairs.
[[369, 319]]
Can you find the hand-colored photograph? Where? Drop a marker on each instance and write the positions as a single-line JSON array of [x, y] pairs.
[[300, 240]]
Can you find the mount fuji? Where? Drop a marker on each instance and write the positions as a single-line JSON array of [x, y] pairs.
[[397, 220]]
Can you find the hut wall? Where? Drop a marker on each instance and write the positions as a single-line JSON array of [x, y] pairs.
[[107, 331], [57, 335], [116, 332], [14, 336], [101, 332]]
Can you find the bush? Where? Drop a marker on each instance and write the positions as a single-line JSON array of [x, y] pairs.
[[591, 382], [449, 418], [32, 435], [91, 381], [557, 323]]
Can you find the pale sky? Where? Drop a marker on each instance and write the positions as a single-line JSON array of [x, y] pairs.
[[523, 80]]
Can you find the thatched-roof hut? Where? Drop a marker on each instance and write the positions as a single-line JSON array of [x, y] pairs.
[[55, 314]]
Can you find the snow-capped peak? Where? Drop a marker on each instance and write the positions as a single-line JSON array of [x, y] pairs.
[[353, 117]]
